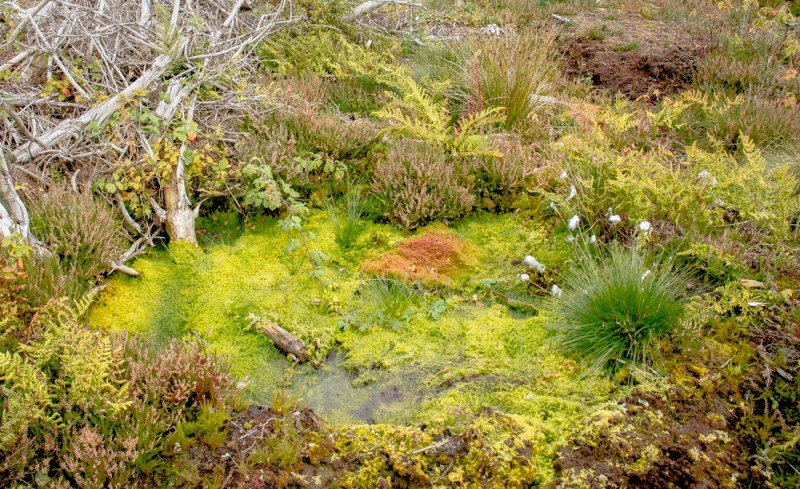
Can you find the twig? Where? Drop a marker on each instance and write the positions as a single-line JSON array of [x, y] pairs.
[[29, 15], [371, 5], [565, 20]]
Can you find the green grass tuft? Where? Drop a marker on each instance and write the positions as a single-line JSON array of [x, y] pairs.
[[348, 228], [615, 309], [393, 300]]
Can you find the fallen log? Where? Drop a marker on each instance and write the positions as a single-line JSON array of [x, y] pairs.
[[284, 340]]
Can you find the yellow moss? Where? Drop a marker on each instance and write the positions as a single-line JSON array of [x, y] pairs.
[[477, 355]]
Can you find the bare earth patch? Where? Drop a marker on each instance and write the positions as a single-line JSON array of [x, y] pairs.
[[629, 54]]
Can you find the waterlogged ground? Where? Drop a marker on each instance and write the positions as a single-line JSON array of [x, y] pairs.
[[480, 341]]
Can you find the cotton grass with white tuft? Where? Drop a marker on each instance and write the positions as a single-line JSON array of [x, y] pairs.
[[610, 317]]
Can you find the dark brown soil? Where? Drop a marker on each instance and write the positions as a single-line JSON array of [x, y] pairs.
[[660, 442], [630, 55]]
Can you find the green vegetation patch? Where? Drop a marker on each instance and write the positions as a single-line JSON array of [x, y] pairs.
[[444, 350]]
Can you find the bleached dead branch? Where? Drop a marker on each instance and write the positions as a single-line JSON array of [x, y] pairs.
[[77, 63]]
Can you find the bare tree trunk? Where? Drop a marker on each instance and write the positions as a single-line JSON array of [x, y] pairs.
[[14, 219], [180, 216]]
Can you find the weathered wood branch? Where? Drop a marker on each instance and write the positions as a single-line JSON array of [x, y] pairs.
[[15, 218], [284, 340], [372, 5], [27, 18], [101, 113], [179, 217], [16, 59], [234, 12], [119, 267], [145, 13], [127, 217]]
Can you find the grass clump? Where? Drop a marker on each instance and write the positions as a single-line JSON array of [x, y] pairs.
[[393, 300], [505, 71], [348, 228], [616, 308]]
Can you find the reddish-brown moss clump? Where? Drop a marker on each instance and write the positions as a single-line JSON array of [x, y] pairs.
[[436, 257]]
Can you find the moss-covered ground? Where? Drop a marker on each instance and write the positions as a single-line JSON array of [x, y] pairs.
[[467, 345]]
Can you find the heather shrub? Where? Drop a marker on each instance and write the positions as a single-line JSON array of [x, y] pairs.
[[79, 405], [498, 180], [418, 184], [329, 135], [82, 235]]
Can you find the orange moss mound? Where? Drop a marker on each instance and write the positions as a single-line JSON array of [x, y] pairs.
[[435, 257]]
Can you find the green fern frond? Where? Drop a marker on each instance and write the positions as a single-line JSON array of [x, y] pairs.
[[415, 114]]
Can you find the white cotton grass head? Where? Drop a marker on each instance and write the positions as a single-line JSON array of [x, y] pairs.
[[563, 175], [614, 219], [645, 274], [593, 239], [570, 238], [573, 222], [525, 277], [555, 291], [644, 227], [572, 192], [707, 178], [532, 263]]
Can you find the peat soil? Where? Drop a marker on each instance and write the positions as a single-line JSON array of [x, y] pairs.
[[626, 53]]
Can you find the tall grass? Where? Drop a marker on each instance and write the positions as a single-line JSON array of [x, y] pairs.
[[347, 228], [391, 298], [505, 71], [616, 308], [498, 71]]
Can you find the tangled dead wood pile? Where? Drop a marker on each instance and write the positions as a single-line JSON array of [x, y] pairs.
[[73, 65]]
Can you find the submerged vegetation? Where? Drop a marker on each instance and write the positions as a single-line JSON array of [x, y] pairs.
[[476, 244]]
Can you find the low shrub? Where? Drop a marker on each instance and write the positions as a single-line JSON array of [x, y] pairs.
[[498, 180], [82, 235], [703, 192], [616, 307], [720, 117], [81, 408], [418, 184]]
